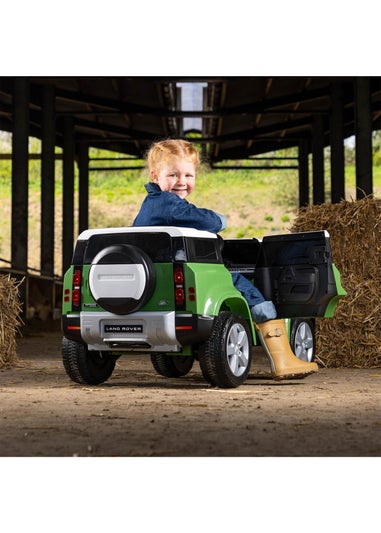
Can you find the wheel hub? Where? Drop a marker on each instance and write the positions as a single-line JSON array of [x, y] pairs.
[[238, 349]]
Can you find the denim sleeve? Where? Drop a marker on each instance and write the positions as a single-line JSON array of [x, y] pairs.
[[223, 221], [182, 213]]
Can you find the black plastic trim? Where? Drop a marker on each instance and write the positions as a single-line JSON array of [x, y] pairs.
[[72, 334], [200, 328]]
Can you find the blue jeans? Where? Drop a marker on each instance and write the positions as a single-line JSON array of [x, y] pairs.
[[261, 310]]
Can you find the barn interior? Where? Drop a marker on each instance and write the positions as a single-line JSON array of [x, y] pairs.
[[233, 119]]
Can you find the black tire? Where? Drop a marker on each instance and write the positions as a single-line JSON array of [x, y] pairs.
[[172, 366], [84, 366], [302, 338], [225, 358]]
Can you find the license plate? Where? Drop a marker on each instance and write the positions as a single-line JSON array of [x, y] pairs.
[[123, 328]]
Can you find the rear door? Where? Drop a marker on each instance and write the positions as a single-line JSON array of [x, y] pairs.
[[296, 271]]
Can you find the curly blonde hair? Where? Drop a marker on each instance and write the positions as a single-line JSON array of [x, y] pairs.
[[161, 152]]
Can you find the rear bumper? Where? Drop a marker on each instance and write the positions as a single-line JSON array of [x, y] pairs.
[[140, 331]]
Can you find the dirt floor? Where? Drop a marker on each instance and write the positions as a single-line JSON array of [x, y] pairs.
[[138, 413]]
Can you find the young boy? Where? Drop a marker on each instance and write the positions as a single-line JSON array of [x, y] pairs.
[[173, 165]]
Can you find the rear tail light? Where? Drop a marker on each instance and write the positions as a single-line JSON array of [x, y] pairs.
[[191, 294], [76, 298], [77, 278], [178, 279], [76, 289], [178, 275], [179, 286], [179, 296]]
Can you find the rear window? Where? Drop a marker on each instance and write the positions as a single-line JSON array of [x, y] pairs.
[[203, 251], [158, 246]]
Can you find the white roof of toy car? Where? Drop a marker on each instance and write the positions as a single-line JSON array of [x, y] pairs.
[[173, 231]]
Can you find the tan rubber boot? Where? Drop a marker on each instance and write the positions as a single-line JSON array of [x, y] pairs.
[[284, 363]]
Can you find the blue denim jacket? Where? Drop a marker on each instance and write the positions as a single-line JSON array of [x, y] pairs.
[[167, 209]]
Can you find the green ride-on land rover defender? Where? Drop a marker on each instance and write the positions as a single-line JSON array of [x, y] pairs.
[[168, 291]]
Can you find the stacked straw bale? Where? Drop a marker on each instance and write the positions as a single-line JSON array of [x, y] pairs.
[[352, 338], [10, 309]]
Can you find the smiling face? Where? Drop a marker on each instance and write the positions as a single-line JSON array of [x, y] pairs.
[[177, 176]]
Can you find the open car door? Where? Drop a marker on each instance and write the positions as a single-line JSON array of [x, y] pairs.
[[296, 271]]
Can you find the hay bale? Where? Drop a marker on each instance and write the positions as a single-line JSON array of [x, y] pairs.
[[352, 338], [10, 310]]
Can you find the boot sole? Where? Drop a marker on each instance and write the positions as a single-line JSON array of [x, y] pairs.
[[296, 375]]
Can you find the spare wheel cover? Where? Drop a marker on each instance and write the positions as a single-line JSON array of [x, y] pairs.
[[122, 278]]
